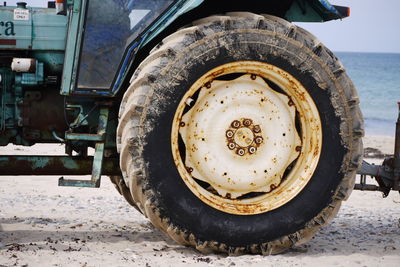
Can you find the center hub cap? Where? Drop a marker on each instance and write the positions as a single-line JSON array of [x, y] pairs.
[[244, 137], [246, 143]]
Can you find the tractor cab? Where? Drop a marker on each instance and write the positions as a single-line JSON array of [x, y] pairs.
[[104, 37]]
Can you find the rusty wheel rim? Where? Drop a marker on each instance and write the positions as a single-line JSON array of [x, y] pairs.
[[246, 137]]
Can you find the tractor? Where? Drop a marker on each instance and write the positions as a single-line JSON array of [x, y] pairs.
[[229, 127]]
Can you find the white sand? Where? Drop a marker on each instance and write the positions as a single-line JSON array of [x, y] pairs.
[[383, 143], [46, 225]]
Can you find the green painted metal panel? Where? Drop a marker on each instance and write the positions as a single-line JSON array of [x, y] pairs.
[[312, 11], [303, 13], [21, 36], [168, 18], [53, 60], [74, 36], [40, 29], [49, 30]]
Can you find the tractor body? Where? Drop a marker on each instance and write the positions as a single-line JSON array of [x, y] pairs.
[[60, 68]]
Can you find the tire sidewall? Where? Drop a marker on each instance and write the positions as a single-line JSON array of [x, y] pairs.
[[170, 195]]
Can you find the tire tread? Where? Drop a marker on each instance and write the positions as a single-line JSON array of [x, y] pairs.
[[132, 125]]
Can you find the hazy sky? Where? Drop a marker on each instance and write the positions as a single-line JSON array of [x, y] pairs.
[[373, 26]]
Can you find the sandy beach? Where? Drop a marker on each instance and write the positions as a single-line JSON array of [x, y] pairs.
[[42, 224]]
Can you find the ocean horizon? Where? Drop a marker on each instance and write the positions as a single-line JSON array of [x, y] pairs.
[[377, 79]]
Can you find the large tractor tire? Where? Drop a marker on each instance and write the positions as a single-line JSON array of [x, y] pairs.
[[240, 134]]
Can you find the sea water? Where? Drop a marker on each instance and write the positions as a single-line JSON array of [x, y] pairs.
[[377, 79]]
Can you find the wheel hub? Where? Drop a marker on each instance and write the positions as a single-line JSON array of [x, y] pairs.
[[243, 137], [236, 141], [240, 162]]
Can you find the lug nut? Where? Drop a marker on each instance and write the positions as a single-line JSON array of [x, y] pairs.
[[256, 128], [259, 140], [247, 122], [189, 101], [240, 152], [231, 146], [189, 169], [182, 124], [298, 148], [235, 124], [208, 85], [252, 150], [229, 134], [253, 76]]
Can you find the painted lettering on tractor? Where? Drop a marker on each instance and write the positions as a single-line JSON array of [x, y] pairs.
[[7, 28]]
